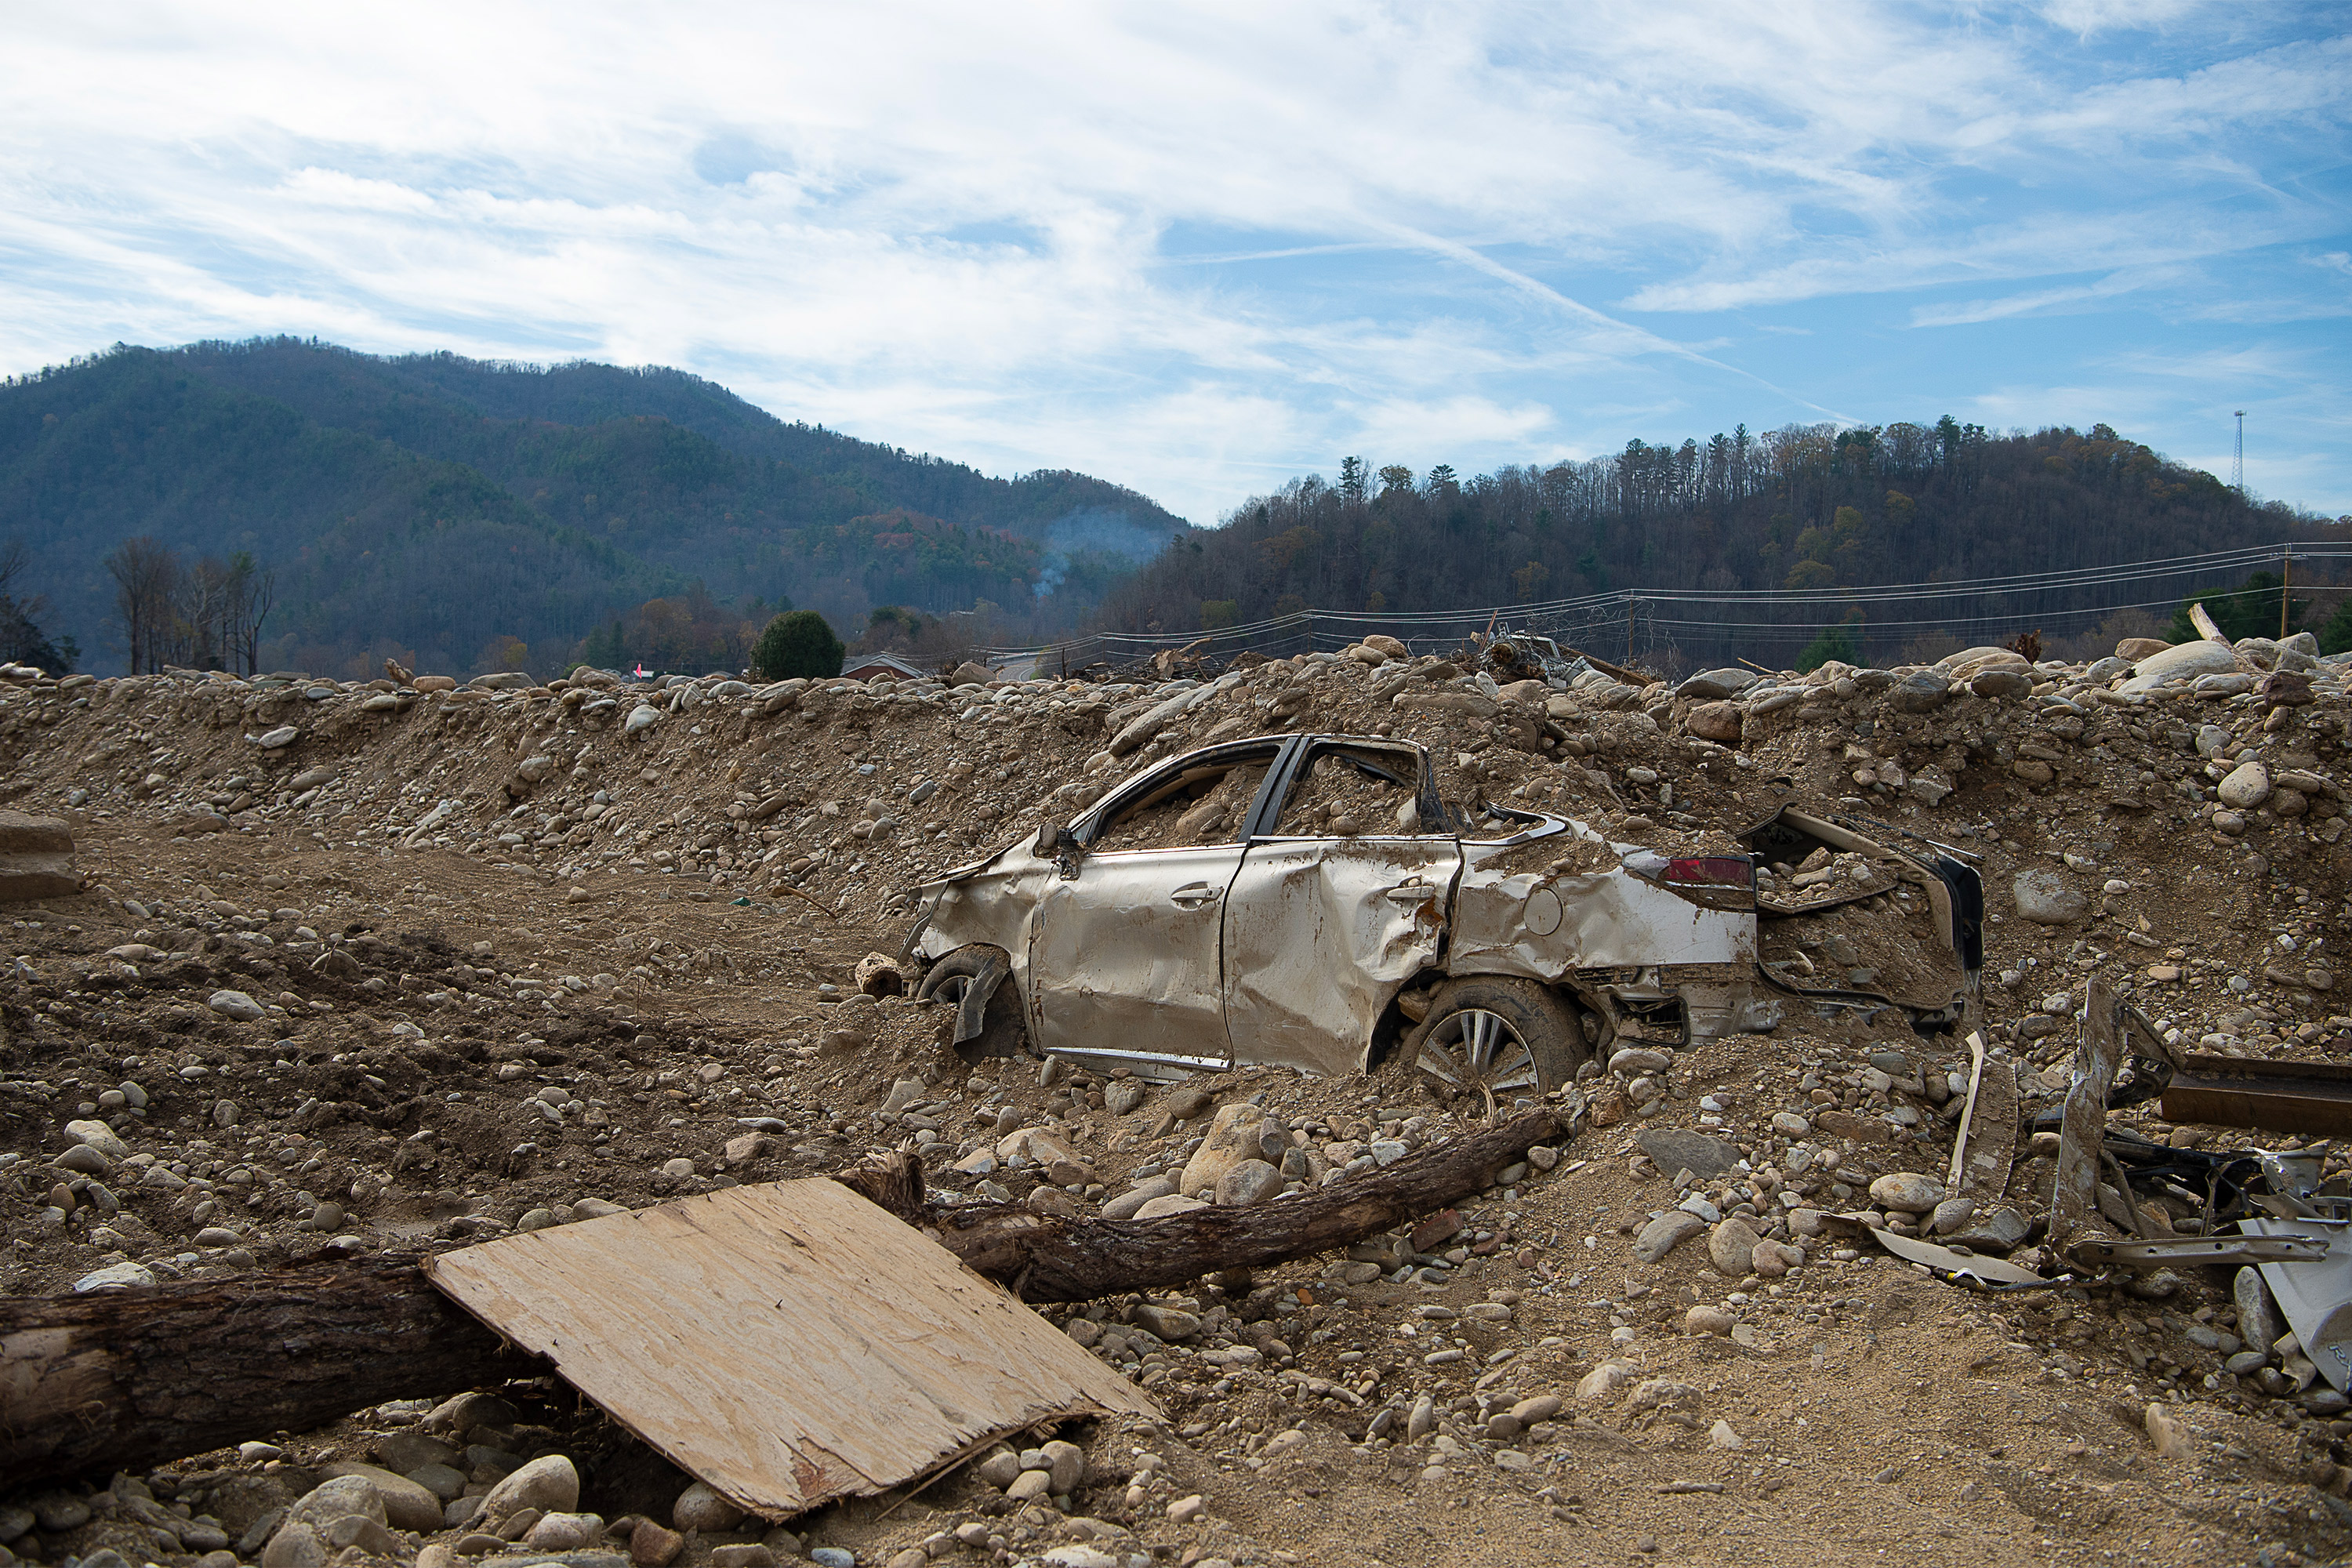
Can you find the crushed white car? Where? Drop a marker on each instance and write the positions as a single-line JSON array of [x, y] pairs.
[[1310, 901]]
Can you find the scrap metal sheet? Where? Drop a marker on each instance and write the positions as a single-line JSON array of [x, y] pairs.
[[2316, 1297], [788, 1342]]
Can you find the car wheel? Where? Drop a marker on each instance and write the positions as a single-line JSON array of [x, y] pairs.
[[1498, 1038], [1003, 1031]]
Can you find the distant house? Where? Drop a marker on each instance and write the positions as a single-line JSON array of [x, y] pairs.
[[866, 666]]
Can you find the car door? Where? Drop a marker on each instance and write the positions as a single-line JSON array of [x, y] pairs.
[[1341, 898], [1124, 951]]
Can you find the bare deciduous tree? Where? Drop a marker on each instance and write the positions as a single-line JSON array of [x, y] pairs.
[[146, 574]]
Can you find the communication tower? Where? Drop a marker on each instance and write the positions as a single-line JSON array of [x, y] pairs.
[[2238, 463]]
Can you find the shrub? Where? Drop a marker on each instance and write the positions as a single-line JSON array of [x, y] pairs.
[[1835, 643], [798, 643]]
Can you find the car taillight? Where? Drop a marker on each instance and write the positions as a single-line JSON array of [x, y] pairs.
[[1711, 871]]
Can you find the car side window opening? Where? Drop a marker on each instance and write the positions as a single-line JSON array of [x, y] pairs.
[[1343, 794], [1199, 807]]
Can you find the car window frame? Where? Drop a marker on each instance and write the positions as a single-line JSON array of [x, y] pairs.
[[1259, 827], [1137, 793]]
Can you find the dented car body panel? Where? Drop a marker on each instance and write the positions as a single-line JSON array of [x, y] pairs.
[[1267, 901], [1320, 934]]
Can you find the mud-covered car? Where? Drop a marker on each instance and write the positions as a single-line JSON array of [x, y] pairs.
[[1310, 901]]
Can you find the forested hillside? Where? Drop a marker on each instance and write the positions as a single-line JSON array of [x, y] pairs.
[[444, 511], [1801, 508]]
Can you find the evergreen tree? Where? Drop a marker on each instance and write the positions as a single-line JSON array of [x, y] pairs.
[[799, 643], [1837, 642]]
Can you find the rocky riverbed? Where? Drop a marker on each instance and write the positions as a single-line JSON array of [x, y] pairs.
[[391, 968]]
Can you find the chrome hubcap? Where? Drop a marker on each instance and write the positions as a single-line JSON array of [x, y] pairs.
[[1477, 1050]]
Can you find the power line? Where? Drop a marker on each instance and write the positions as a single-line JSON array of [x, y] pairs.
[[1605, 612]]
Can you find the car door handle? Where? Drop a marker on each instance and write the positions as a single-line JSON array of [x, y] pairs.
[[1192, 895], [1412, 894]]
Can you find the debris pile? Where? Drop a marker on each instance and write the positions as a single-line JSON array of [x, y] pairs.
[[377, 968]]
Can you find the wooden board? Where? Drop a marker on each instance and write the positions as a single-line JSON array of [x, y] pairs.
[[788, 1342]]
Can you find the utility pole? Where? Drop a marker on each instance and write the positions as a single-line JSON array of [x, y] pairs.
[[2238, 463], [1630, 603], [2287, 575]]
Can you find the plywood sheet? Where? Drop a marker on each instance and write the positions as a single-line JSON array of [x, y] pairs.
[[787, 1343]]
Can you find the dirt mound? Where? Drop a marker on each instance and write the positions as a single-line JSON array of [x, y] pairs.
[[506, 957]]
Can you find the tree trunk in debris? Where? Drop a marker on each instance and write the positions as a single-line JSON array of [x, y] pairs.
[[131, 1377], [1043, 1257], [128, 1379]]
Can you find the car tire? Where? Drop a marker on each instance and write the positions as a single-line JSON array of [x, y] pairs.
[[1003, 1030], [1498, 1037]]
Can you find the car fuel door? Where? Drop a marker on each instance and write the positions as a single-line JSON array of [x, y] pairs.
[[1320, 927]]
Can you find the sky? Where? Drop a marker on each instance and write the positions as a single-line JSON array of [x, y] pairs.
[[1200, 249]]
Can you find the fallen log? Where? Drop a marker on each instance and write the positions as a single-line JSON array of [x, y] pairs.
[[128, 1379], [1045, 1258], [119, 1378]]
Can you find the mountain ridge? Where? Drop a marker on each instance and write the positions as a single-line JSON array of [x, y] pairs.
[[433, 506]]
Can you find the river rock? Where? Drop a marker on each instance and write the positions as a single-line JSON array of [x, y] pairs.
[[1170, 1324], [294, 1546], [1731, 1247], [236, 1005], [1717, 721], [125, 1276], [1603, 1382], [2047, 898], [1907, 1192], [2247, 786], [654, 1545], [1127, 1204], [550, 1484], [1675, 1150], [2001, 685], [407, 1505], [2259, 1322], [1715, 685], [336, 1499], [1919, 692], [1251, 1182], [700, 1507], [97, 1135], [1236, 1133], [1066, 1464], [1666, 1233]]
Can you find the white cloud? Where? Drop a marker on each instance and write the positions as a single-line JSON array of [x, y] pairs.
[[1191, 248]]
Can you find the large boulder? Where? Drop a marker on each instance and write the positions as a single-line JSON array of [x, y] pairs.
[[2183, 661]]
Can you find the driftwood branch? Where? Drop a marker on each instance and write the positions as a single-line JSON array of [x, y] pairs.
[[130, 1379]]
